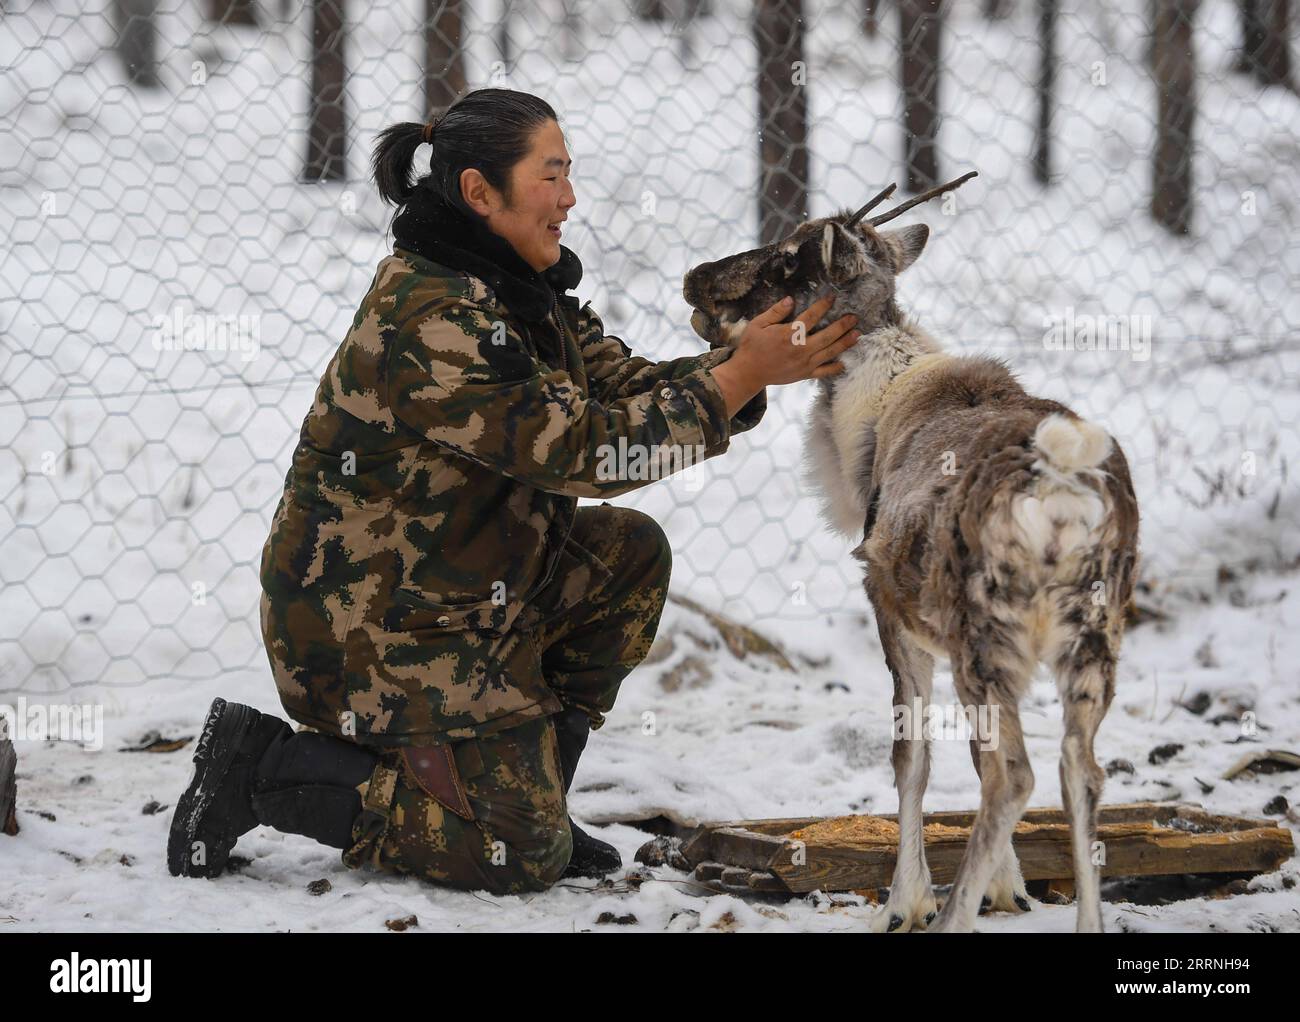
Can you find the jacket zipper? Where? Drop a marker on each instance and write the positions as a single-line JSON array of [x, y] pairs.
[[557, 553], [564, 335]]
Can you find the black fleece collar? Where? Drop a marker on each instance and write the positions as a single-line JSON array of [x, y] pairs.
[[439, 232]]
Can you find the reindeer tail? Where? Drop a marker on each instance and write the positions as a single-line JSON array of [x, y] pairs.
[[1069, 445], [1058, 515]]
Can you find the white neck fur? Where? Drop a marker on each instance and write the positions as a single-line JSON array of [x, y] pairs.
[[840, 436]]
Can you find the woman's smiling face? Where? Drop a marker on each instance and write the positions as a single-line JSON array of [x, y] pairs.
[[541, 198]]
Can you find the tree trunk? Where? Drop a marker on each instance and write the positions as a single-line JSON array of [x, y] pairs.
[[1175, 78], [232, 12], [570, 31], [504, 48], [1252, 36], [1152, 15], [1265, 41], [1047, 10], [688, 12], [782, 118], [919, 30], [8, 788], [137, 41], [871, 18], [327, 119], [444, 63]]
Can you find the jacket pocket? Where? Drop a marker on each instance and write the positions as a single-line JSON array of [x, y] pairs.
[[600, 571], [484, 615], [409, 674], [579, 575]]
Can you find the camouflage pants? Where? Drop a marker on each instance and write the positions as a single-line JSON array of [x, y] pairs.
[[593, 623]]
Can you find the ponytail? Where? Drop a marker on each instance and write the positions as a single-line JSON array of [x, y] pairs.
[[392, 160], [487, 129]]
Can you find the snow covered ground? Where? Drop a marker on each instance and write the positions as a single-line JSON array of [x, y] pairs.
[[730, 738], [164, 468]]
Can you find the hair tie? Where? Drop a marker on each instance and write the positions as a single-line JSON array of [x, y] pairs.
[[428, 132]]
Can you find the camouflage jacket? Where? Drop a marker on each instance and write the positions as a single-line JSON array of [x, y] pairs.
[[433, 487]]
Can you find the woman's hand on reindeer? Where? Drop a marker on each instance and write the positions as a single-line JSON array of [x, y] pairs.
[[786, 352]]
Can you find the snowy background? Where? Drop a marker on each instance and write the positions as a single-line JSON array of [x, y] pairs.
[[129, 476]]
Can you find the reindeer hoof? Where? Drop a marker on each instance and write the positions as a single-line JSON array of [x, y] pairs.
[[930, 918], [895, 921], [1022, 903], [986, 903]]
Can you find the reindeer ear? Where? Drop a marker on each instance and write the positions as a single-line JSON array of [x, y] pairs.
[[905, 244], [834, 236], [828, 244]]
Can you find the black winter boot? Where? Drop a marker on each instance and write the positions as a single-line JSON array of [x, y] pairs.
[[307, 784], [591, 858], [250, 769], [216, 808]]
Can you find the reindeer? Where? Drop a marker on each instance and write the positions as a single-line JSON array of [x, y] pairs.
[[998, 530]]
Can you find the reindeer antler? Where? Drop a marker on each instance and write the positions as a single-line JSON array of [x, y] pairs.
[[880, 197], [888, 215]]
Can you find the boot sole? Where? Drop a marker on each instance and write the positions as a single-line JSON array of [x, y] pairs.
[[217, 747]]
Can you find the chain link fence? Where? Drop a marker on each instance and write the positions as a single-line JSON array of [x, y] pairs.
[[162, 184]]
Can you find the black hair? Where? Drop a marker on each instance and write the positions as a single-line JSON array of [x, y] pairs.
[[487, 129]]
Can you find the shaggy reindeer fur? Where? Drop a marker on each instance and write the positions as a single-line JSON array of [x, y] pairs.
[[997, 529]]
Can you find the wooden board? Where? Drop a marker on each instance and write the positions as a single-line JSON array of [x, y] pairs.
[[1141, 839]]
